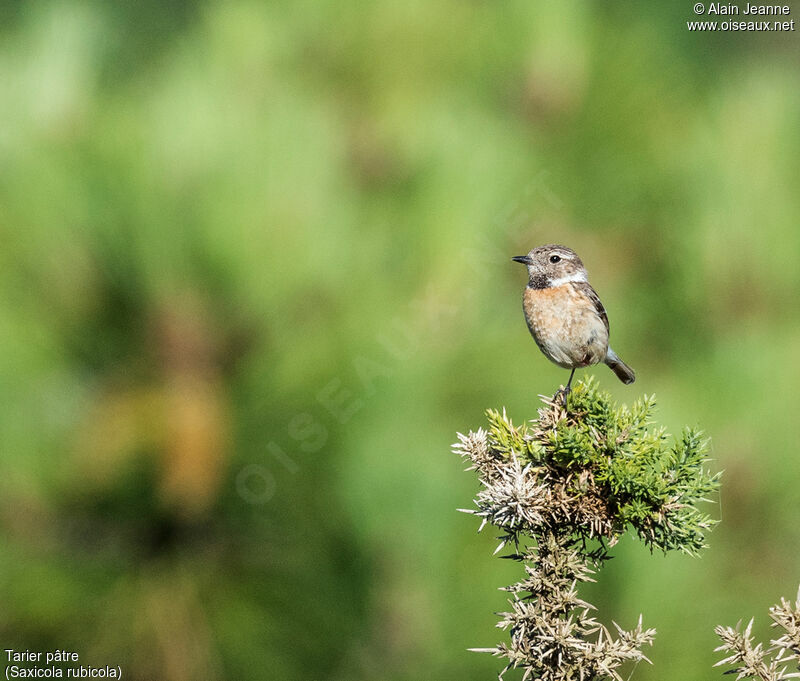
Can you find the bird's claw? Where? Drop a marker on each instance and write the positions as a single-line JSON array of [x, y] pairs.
[[562, 393]]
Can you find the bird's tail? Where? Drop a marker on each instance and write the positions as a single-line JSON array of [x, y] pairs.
[[623, 371]]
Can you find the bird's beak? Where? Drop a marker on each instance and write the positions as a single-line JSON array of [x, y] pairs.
[[524, 259]]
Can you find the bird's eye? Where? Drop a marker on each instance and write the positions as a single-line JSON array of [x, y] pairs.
[[555, 258]]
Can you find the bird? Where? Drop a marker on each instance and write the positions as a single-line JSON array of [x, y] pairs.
[[565, 315]]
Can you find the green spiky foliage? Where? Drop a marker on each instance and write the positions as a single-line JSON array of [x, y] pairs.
[[563, 489]]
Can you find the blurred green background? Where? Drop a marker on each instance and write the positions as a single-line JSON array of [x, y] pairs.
[[255, 275]]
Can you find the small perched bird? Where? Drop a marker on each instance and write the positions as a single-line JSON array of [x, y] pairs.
[[565, 315]]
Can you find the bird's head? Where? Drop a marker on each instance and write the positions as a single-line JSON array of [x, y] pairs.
[[552, 265]]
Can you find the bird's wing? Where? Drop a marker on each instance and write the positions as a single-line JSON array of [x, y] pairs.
[[586, 289]]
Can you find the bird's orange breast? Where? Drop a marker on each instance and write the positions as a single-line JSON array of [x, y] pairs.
[[565, 325], [551, 308]]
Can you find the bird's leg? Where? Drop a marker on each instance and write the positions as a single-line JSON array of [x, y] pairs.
[[569, 382], [563, 392]]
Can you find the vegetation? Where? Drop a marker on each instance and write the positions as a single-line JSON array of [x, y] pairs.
[[777, 662], [572, 482]]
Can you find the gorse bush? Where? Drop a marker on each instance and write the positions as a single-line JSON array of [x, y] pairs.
[[563, 489], [777, 662]]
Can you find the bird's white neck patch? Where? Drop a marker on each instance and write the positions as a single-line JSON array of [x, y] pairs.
[[574, 277]]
